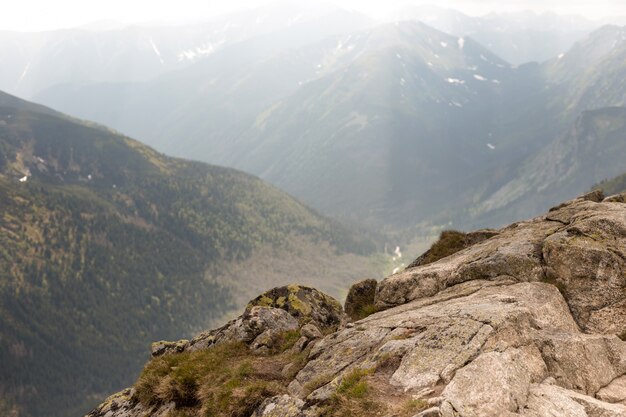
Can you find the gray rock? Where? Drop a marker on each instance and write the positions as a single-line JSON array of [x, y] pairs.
[[579, 246], [246, 328], [304, 303], [431, 412], [281, 406], [515, 252], [551, 400], [615, 392], [616, 198], [311, 332], [360, 296], [495, 383], [523, 323], [165, 348]]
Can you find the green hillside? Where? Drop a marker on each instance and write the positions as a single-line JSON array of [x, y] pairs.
[[107, 245]]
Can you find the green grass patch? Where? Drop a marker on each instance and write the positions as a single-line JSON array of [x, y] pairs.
[[365, 311], [225, 380], [411, 407], [353, 385]]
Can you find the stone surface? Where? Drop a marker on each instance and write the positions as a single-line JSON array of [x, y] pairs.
[[265, 323], [360, 296], [495, 383], [282, 406], [311, 332], [524, 323], [616, 198], [615, 392], [122, 404], [163, 347], [580, 246], [515, 252], [304, 303], [550, 400]]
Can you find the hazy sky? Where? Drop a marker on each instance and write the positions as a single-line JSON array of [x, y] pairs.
[[29, 15]]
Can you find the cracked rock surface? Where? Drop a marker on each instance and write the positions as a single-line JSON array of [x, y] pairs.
[[528, 322]]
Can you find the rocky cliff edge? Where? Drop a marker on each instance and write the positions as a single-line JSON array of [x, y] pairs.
[[528, 320]]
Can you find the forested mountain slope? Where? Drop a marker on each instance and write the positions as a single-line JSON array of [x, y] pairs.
[[107, 245]]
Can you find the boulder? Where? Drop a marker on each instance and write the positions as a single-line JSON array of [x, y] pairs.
[[579, 246], [311, 332], [616, 198], [281, 406], [615, 392], [163, 347], [360, 299], [306, 304], [552, 400], [258, 327]]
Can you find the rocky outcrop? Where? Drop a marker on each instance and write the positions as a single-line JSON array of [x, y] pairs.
[[449, 243], [304, 303], [528, 322], [579, 246], [360, 299]]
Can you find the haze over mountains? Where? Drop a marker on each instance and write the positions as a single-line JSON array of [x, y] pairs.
[[39, 60], [433, 119], [439, 126]]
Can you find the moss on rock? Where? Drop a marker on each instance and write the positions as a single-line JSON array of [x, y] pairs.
[[304, 303]]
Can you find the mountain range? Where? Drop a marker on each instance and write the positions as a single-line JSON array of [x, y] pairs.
[[36, 61], [441, 129]]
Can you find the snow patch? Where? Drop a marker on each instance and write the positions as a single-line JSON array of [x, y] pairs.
[[24, 73], [199, 51], [479, 77], [495, 81], [402, 82], [461, 42], [24, 178], [490, 146], [444, 44], [156, 50], [455, 81], [561, 56]]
